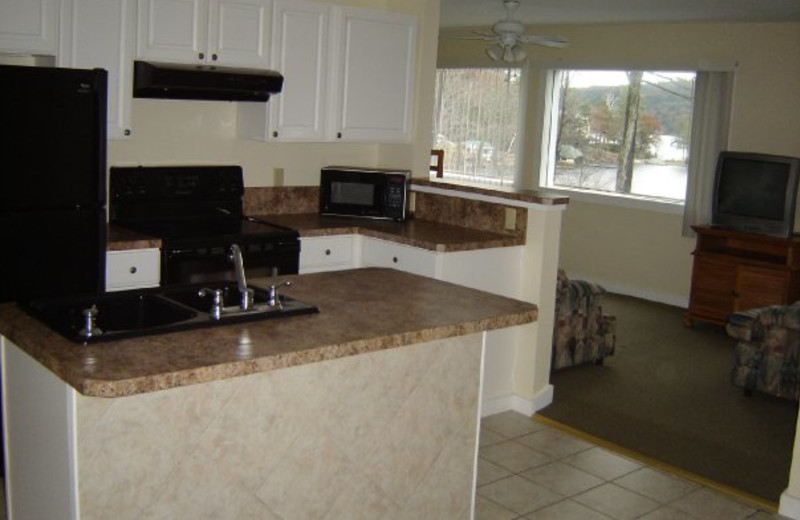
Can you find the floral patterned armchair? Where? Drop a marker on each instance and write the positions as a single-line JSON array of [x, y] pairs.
[[767, 349], [581, 333]]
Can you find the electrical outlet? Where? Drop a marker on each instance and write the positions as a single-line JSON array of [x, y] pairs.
[[511, 219], [277, 177]]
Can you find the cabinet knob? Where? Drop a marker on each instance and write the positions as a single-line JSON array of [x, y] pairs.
[[133, 269], [275, 133], [338, 135], [327, 252], [127, 131], [394, 259], [201, 56], [214, 57]]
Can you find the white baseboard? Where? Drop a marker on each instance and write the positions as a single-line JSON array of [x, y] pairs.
[[789, 506], [503, 403], [636, 292]]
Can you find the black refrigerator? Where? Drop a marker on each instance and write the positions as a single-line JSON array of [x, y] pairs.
[[52, 182]]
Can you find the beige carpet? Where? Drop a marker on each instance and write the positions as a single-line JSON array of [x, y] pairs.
[[666, 394]]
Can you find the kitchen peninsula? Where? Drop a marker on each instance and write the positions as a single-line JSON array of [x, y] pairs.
[[368, 409]]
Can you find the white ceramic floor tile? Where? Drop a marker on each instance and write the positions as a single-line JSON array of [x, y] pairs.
[[602, 463], [706, 504], [485, 509], [489, 472], [566, 510], [667, 513], [656, 484], [514, 456], [511, 424], [562, 478], [617, 502], [554, 443], [519, 495]]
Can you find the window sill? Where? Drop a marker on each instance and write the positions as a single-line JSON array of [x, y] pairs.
[[673, 207]]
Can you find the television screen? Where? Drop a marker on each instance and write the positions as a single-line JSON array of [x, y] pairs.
[[753, 188], [756, 193]]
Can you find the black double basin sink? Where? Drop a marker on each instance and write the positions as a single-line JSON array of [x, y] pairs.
[[128, 314]]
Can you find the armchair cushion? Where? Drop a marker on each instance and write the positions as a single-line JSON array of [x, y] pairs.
[[767, 352]]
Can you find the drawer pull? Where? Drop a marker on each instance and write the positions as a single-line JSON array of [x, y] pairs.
[[133, 269]]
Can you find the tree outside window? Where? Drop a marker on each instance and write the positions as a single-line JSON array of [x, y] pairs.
[[475, 121], [625, 132]]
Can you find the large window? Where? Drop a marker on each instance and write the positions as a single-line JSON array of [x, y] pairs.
[[621, 132], [476, 121]]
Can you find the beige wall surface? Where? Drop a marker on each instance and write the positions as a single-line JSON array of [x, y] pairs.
[[171, 132], [637, 251]]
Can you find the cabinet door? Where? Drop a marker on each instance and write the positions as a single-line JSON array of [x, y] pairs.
[[380, 253], [327, 253], [713, 288], [29, 26], [100, 34], [758, 287], [376, 68], [172, 30], [238, 32], [300, 53]]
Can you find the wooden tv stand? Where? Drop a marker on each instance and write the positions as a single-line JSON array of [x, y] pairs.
[[736, 271]]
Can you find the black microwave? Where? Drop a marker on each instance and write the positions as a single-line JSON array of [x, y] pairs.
[[362, 192]]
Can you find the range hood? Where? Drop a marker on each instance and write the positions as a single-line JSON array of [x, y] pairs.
[[174, 81]]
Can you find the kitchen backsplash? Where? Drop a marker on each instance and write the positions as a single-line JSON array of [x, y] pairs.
[[455, 211]]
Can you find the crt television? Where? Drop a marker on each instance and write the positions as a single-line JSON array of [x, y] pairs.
[[755, 193]]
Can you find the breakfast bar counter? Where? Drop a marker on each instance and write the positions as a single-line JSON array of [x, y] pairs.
[[368, 409]]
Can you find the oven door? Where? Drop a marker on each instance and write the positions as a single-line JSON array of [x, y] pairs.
[[183, 265]]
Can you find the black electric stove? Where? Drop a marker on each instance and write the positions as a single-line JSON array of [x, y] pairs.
[[197, 212]]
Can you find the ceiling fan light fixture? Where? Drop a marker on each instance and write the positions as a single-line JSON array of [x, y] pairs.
[[518, 53], [495, 52]]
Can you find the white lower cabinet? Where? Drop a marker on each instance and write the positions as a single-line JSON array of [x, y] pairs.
[[381, 253], [132, 269], [331, 253]]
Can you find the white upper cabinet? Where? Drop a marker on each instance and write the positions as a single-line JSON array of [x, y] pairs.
[[100, 34], [301, 53], [29, 26], [226, 32], [376, 75], [348, 76]]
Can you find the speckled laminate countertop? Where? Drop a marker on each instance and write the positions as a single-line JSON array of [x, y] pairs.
[[361, 310], [424, 234]]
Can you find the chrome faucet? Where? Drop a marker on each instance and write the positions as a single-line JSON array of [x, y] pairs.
[[245, 293]]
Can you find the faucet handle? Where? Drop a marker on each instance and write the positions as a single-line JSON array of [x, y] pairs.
[[273, 298], [216, 301], [89, 328]]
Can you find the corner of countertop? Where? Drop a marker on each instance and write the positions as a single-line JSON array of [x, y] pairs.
[[528, 196]]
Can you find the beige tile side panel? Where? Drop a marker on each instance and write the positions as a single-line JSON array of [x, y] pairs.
[[381, 435]]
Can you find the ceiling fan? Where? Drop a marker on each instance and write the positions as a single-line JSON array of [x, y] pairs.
[[509, 35]]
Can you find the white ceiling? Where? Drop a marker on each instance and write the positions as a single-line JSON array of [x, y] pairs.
[[477, 13]]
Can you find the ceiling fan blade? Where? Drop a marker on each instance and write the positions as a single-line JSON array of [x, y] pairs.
[[545, 41]]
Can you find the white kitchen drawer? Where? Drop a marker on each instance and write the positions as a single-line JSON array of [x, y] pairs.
[[132, 269], [327, 253], [380, 253]]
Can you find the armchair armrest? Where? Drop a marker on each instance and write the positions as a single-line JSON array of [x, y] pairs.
[[750, 325]]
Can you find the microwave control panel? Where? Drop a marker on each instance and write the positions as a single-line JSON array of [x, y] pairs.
[[396, 196]]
